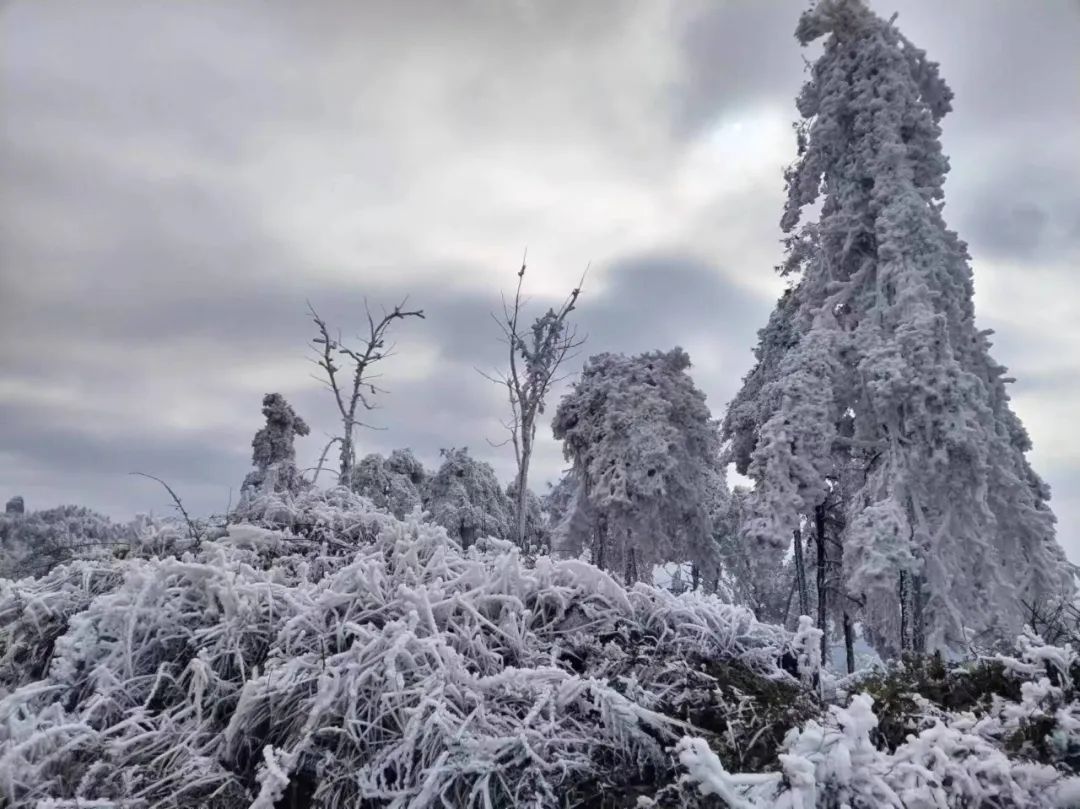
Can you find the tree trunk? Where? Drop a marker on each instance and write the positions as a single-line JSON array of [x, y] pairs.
[[822, 585], [468, 536], [800, 575], [787, 604], [601, 541], [918, 636], [631, 567], [905, 612], [345, 476], [849, 642], [695, 577], [522, 488]]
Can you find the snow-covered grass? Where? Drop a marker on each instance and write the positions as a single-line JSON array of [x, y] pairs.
[[326, 654], [337, 657]]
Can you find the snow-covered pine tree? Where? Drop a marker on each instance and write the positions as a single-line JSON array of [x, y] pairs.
[[465, 497], [392, 483], [873, 384], [646, 455]]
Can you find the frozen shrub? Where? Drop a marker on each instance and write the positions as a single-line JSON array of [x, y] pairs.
[[329, 650]]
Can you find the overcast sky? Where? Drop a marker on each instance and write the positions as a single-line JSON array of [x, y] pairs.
[[177, 178]]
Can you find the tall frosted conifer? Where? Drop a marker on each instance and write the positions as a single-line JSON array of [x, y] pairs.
[[873, 387]]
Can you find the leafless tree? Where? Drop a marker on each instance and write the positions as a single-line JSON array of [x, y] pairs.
[[353, 388], [1056, 621], [535, 356]]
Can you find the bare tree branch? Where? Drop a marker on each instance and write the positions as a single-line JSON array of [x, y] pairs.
[[192, 529], [354, 393], [534, 357]]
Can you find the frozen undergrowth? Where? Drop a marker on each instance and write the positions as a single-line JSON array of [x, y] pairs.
[[1011, 741], [334, 656], [326, 654]]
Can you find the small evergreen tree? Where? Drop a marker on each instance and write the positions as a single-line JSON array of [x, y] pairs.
[[465, 497], [392, 483], [646, 456]]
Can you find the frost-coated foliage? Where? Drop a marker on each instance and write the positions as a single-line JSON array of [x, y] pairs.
[[756, 575], [873, 385], [331, 655], [393, 483], [273, 452], [1015, 751], [33, 543], [537, 532], [465, 498], [338, 656], [646, 452]]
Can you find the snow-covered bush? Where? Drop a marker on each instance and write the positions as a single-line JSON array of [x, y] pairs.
[[834, 762], [335, 656], [392, 483], [996, 732]]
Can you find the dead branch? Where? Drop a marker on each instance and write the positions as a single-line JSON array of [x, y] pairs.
[[353, 392], [534, 356], [196, 535]]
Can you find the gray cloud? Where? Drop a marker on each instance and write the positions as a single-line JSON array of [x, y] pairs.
[[1028, 213], [177, 179], [735, 57]]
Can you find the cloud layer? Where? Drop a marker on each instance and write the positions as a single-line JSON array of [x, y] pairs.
[[176, 180]]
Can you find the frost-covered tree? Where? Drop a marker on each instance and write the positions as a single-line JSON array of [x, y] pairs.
[[535, 354], [33, 543], [537, 536], [755, 575], [354, 390], [15, 505], [392, 483], [873, 385], [646, 454], [569, 516], [273, 452], [465, 497]]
